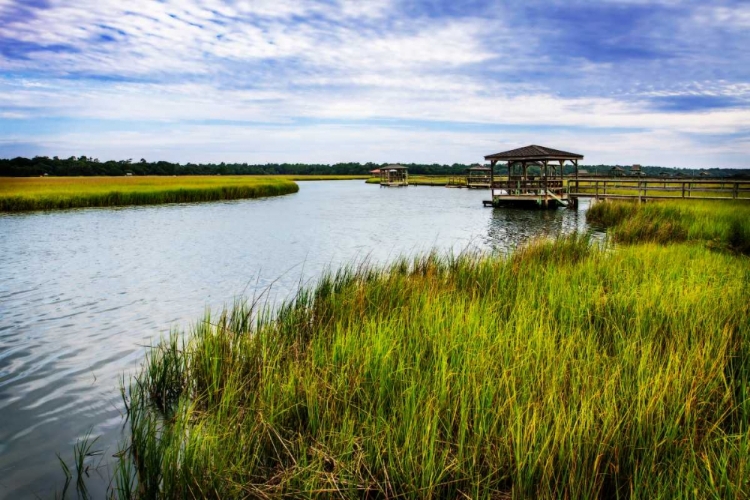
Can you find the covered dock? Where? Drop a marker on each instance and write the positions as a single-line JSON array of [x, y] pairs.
[[478, 177], [545, 190], [394, 176]]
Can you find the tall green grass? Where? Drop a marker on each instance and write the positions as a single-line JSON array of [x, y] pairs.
[[723, 224], [26, 194], [561, 371]]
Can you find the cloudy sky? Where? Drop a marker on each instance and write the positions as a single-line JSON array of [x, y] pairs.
[[620, 81]]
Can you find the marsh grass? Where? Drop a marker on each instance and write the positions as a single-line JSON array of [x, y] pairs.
[[23, 194], [722, 224], [564, 370], [83, 453]]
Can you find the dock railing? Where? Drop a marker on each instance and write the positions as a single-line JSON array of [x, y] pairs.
[[659, 188], [456, 181], [535, 187], [478, 180]]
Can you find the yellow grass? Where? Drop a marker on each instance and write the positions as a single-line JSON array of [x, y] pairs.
[[34, 193]]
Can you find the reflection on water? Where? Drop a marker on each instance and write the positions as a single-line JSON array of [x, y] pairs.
[[81, 292], [509, 227]]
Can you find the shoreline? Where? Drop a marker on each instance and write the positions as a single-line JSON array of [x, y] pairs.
[[521, 375], [27, 194]]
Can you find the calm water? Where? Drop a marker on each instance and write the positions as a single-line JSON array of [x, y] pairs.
[[81, 292]]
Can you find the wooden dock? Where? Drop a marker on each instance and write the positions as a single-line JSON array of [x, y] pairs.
[[394, 176], [643, 189], [523, 187]]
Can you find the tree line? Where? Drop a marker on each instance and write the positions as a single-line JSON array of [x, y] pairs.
[[86, 166]]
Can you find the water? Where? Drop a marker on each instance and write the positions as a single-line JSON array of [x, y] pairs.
[[82, 291]]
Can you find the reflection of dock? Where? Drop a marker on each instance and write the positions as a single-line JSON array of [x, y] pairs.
[[543, 187]]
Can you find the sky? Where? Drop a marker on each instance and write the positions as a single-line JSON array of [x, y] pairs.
[[660, 82]]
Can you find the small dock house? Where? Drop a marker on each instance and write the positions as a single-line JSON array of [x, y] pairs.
[[546, 190], [478, 177], [616, 171], [394, 176]]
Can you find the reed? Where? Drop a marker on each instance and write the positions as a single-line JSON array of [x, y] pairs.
[[24, 194], [722, 224], [564, 370]]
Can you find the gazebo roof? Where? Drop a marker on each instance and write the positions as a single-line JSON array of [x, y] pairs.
[[395, 167], [533, 152], [479, 167]]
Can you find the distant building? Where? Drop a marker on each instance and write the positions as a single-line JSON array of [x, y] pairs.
[[616, 171], [394, 175], [704, 173], [636, 170], [478, 176]]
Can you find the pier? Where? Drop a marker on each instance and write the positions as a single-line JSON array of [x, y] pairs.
[[548, 189], [644, 189], [478, 177], [394, 176]]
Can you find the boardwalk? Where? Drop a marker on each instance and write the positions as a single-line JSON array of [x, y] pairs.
[[659, 188]]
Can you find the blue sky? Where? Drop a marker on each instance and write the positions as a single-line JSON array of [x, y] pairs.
[[620, 81]]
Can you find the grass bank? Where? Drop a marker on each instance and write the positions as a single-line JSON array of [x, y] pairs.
[[48, 193], [721, 224], [560, 371]]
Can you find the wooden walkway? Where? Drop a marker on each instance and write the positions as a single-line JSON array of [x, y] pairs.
[[658, 188]]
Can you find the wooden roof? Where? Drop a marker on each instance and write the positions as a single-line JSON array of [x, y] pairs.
[[479, 167], [534, 152], [395, 167]]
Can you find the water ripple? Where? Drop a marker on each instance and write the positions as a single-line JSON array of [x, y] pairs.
[[83, 291]]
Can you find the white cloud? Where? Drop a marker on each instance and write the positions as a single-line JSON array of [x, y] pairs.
[[338, 143], [737, 16], [446, 102], [279, 61]]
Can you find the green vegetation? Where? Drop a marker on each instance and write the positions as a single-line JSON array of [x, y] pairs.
[[87, 166], [45, 193], [564, 370], [723, 224]]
